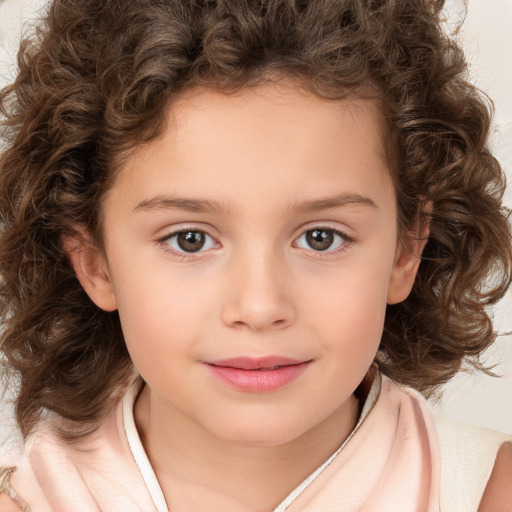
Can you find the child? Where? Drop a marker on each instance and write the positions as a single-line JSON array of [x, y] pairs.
[[212, 294]]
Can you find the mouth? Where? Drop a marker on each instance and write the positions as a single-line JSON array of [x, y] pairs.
[[257, 363], [258, 375]]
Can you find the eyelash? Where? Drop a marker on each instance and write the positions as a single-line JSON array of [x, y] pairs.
[[184, 256]]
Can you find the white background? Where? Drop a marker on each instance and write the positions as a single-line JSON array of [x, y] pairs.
[[486, 35]]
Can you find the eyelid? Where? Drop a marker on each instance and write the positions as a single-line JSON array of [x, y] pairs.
[[327, 226], [170, 231]]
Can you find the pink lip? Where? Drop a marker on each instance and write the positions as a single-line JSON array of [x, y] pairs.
[[258, 375]]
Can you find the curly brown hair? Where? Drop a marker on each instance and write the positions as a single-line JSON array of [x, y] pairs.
[[93, 82]]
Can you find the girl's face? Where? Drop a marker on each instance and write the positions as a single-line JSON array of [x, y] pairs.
[[251, 251]]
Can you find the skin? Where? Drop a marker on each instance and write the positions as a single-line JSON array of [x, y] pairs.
[[498, 492], [278, 163]]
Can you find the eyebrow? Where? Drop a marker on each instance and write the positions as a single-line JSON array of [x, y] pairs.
[[337, 201], [194, 205], [200, 205]]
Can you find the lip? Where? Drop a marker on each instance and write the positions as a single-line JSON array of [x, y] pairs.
[[258, 375]]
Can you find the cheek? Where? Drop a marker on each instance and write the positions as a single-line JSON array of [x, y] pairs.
[[350, 310], [162, 312]]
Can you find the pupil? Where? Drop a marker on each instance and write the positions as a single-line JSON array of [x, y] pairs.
[[191, 241], [320, 239]]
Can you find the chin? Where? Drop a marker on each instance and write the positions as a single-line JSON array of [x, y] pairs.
[[259, 434]]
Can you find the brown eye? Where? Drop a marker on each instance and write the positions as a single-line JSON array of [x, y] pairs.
[[189, 241], [321, 239]]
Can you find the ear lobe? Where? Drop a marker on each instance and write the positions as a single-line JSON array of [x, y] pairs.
[[91, 270], [406, 264]]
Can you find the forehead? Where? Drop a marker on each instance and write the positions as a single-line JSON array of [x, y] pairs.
[[282, 107], [261, 140]]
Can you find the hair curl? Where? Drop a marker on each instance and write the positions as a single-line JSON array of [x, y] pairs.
[[93, 82]]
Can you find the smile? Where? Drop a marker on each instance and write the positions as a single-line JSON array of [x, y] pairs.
[[258, 375]]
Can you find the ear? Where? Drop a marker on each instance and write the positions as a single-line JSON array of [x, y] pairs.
[[406, 263], [91, 269]]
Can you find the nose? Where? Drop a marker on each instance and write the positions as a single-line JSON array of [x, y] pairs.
[[258, 294]]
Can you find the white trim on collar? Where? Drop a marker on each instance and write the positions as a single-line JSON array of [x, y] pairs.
[[138, 452]]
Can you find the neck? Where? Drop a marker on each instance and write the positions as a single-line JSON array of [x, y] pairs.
[[196, 468]]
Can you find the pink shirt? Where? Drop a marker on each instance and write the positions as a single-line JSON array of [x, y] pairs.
[[389, 463]]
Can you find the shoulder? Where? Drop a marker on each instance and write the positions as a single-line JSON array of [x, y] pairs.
[[468, 455], [96, 471], [42, 462], [11, 453], [10, 501], [498, 492], [18, 483]]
